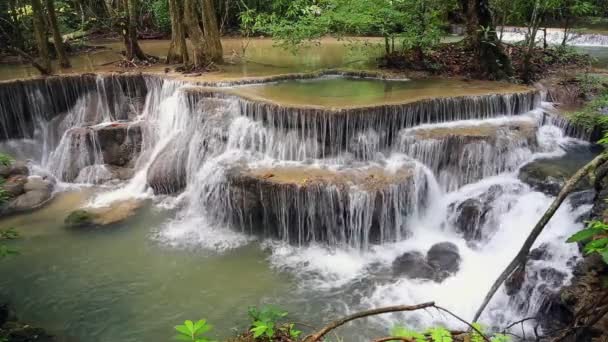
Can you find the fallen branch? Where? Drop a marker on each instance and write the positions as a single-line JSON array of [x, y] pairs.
[[333, 325], [522, 256], [394, 338]]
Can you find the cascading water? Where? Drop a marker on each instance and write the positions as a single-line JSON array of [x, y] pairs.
[[337, 196], [554, 37]]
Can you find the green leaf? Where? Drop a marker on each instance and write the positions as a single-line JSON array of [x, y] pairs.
[[183, 337], [584, 234], [190, 326], [258, 331], [500, 338], [182, 329], [475, 336], [596, 245], [605, 256]]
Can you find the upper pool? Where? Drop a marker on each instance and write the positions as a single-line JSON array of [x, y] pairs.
[[338, 91]]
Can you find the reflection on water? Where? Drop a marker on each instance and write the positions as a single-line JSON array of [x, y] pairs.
[[262, 58]]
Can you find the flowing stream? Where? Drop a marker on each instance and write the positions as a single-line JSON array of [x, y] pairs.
[[305, 207]]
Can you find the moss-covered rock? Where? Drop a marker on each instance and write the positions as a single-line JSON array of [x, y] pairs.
[[103, 216]]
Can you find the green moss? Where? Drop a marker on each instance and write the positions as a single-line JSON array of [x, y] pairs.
[[79, 218]]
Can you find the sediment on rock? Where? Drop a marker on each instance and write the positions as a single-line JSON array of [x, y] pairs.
[[350, 207], [460, 155]]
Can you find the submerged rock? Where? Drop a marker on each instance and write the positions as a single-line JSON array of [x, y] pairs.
[[103, 216], [26, 193]]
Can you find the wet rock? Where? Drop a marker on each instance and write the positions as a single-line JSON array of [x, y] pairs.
[[548, 176], [445, 258], [29, 200], [37, 183], [120, 143], [15, 185], [470, 218], [413, 265], [541, 252], [19, 168], [21, 332], [5, 171], [167, 173], [103, 216], [580, 198], [515, 282], [94, 174]]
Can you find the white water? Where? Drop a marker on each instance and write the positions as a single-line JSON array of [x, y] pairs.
[[211, 137], [555, 37]]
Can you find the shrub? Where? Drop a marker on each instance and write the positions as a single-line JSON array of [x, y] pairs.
[[594, 238], [193, 331]]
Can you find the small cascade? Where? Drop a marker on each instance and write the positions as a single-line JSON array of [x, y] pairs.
[[554, 37]]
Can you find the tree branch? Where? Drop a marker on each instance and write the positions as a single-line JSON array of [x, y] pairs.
[[333, 325], [522, 255]]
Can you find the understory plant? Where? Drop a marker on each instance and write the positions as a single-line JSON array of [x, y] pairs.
[[266, 323], [193, 331], [441, 334], [8, 234], [594, 239]]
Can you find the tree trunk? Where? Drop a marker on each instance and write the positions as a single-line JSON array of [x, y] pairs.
[[57, 39], [40, 35], [197, 38], [133, 51], [481, 37], [178, 51], [566, 29], [212, 32]]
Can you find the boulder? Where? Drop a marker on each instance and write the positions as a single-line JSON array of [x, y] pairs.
[[115, 212], [167, 173], [29, 200], [37, 183], [470, 218], [413, 265], [15, 185], [120, 143], [19, 168], [445, 258]]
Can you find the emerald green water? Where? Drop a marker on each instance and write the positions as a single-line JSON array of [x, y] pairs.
[[119, 284]]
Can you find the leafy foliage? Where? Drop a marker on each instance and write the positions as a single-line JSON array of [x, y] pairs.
[[440, 334], [8, 234], [594, 238], [266, 323], [162, 16], [193, 331], [5, 159]]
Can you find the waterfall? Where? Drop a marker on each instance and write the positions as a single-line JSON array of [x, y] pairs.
[[336, 194], [555, 37]]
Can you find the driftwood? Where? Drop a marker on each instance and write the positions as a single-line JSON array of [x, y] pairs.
[[522, 256]]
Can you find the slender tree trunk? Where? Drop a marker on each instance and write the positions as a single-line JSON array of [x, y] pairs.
[[197, 37], [481, 37], [566, 29], [40, 35], [130, 33], [57, 39], [212, 32], [178, 51]]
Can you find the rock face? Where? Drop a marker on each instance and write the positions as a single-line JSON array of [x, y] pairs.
[[24, 193], [120, 143], [354, 206], [117, 144], [470, 216], [451, 151], [441, 261], [103, 216], [167, 173]]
